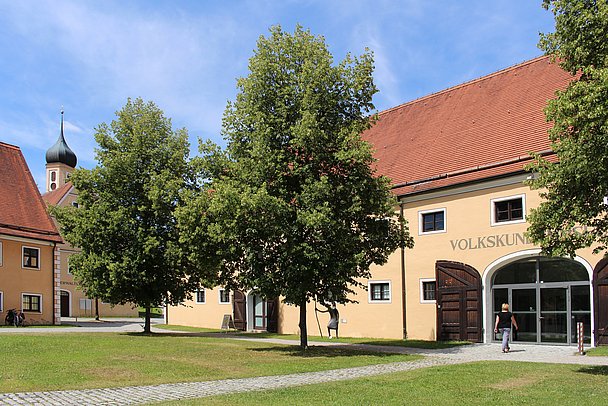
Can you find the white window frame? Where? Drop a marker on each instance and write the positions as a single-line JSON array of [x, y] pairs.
[[422, 281], [1, 261], [31, 294], [23, 247], [369, 291], [421, 222], [86, 302], [493, 202], [219, 297], [67, 261], [1, 301], [204, 296]]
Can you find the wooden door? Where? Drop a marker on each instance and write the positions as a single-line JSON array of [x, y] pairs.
[[272, 308], [239, 310], [65, 304], [459, 302], [600, 302]]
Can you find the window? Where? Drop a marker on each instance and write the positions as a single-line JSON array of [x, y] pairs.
[[508, 210], [200, 296], [31, 257], [0, 253], [31, 302], [224, 296], [379, 291], [75, 204], [427, 290], [86, 304], [431, 221], [1, 301]]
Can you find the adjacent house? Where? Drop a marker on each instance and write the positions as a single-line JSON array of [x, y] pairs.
[[29, 255], [457, 162]]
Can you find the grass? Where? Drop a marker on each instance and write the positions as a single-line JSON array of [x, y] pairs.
[[481, 383], [311, 339], [598, 351], [42, 362]]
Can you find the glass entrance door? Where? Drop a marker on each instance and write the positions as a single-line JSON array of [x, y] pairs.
[[524, 308], [259, 310], [553, 315]]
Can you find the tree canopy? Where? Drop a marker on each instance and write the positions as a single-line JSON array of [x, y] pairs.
[[125, 225], [296, 208], [574, 189]]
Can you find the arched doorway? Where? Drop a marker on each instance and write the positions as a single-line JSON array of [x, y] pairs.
[[261, 313], [548, 296], [65, 303]]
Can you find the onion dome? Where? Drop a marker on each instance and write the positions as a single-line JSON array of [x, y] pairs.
[[60, 152]]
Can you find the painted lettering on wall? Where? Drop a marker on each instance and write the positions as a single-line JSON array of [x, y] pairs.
[[490, 241]]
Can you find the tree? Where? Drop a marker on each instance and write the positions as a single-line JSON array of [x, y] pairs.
[[125, 225], [295, 200], [575, 188]]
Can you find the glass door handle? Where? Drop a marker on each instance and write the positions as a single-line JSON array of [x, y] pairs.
[[541, 318]]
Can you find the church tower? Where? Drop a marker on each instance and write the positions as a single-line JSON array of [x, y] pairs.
[[60, 162]]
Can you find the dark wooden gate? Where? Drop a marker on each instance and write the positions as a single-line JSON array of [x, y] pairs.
[[600, 302], [239, 310], [459, 302], [272, 306]]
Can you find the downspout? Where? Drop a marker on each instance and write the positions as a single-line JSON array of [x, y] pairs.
[[403, 297], [56, 291]]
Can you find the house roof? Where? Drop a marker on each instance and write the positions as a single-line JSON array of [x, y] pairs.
[[54, 197], [481, 129], [22, 211]]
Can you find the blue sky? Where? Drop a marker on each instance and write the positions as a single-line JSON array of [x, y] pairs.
[[90, 56]]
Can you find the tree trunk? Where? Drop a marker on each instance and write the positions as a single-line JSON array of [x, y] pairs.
[[303, 329], [147, 329]]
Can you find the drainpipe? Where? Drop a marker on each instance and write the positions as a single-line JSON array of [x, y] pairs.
[[54, 290], [403, 297]]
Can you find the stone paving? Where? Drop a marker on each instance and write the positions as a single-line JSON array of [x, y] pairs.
[[167, 392]]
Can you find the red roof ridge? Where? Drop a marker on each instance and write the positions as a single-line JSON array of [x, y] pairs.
[[5, 144], [468, 83]]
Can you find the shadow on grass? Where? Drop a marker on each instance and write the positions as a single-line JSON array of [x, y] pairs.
[[595, 370], [323, 352]]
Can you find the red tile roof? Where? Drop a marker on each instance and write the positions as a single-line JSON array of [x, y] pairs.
[[55, 196], [480, 129], [22, 211]]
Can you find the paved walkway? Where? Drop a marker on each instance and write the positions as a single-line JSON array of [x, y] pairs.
[[177, 391]]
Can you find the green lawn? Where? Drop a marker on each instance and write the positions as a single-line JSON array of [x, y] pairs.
[[312, 339], [42, 362], [482, 383], [598, 351]]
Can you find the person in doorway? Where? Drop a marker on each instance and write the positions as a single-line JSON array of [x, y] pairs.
[[504, 320], [334, 318]]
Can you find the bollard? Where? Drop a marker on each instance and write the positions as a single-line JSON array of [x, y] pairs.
[[579, 328]]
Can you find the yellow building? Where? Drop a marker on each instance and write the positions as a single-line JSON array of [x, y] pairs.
[[29, 260], [74, 302], [456, 159]]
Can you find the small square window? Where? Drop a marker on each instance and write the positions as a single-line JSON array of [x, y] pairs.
[[224, 296], [31, 257], [427, 290], [431, 221], [200, 296], [508, 210], [31, 302], [379, 291]]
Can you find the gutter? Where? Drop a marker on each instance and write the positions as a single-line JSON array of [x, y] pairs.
[[520, 158]]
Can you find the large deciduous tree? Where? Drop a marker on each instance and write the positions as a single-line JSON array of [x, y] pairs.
[[296, 203], [125, 225], [574, 189]]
